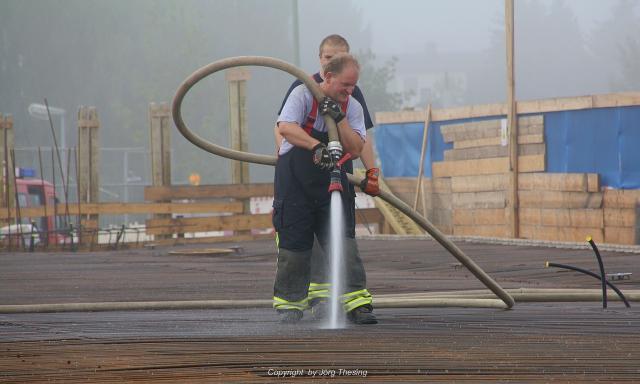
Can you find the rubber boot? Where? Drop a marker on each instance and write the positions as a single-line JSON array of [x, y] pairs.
[[292, 283]]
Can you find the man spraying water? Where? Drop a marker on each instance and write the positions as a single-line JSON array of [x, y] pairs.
[[302, 200]]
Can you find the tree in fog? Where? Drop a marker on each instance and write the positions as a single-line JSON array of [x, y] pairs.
[[615, 44], [374, 80], [551, 58]]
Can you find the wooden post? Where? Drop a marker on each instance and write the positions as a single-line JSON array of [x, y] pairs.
[[7, 199], [238, 130], [419, 186], [160, 147], [512, 123], [237, 79], [160, 144], [88, 167]]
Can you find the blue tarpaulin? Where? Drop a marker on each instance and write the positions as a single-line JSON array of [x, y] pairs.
[[604, 141]]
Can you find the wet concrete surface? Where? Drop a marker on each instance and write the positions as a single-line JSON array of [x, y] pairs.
[[534, 342]]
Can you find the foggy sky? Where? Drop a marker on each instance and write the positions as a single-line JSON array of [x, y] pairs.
[[119, 56]]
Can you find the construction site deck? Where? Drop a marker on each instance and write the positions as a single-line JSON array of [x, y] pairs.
[[532, 342]]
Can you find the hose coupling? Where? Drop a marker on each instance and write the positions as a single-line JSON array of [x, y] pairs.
[[335, 150]]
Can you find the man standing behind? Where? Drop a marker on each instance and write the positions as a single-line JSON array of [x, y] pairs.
[[329, 47], [302, 199]]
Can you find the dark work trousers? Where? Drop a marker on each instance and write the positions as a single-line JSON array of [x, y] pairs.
[[302, 207]]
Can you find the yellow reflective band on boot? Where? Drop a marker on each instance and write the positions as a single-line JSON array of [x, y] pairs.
[[353, 300], [318, 290], [279, 303]]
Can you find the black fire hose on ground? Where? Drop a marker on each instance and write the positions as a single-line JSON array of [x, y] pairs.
[[261, 61], [594, 275]]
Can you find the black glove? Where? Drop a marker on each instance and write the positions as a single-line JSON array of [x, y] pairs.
[[329, 107], [322, 157]]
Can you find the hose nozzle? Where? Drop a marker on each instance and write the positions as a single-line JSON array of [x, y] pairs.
[[336, 180], [335, 183]]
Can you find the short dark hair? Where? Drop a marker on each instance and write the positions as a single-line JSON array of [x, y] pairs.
[[333, 40], [339, 62]]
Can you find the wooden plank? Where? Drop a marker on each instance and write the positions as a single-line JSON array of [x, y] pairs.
[[562, 217], [443, 114], [94, 158], [488, 141], [439, 216], [572, 234], [492, 151], [495, 216], [234, 129], [479, 200], [577, 182], [7, 141], [485, 129], [440, 201], [593, 182], [440, 185], [206, 224], [534, 163], [237, 191], [131, 208], [621, 235], [84, 155], [472, 130], [470, 111], [616, 217], [481, 230], [559, 199], [368, 216], [621, 198], [555, 104], [419, 184], [511, 212], [407, 184], [482, 183], [214, 239], [623, 99], [532, 106]]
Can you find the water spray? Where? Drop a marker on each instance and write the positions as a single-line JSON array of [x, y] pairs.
[[336, 261]]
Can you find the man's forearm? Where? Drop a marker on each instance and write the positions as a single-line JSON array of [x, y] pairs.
[[278, 137], [351, 141], [296, 136], [366, 156]]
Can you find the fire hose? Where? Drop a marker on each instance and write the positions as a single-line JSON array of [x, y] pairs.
[[262, 61]]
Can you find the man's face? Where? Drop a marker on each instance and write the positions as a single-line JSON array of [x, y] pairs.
[[328, 51], [340, 86]]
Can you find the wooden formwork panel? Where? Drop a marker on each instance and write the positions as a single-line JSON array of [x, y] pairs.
[[570, 182], [531, 163], [479, 200], [621, 198], [528, 125], [491, 216], [559, 199], [488, 141], [481, 230], [573, 234], [237, 191], [562, 217], [492, 151], [205, 224], [622, 235]]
